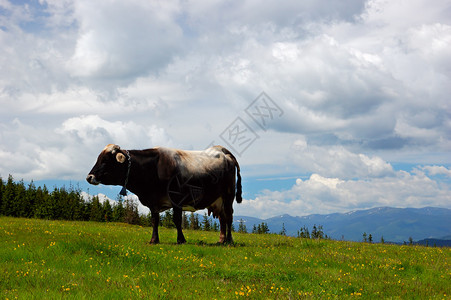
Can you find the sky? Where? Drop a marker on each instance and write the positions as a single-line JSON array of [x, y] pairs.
[[329, 106]]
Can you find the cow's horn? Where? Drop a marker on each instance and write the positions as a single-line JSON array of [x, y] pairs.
[[111, 148]]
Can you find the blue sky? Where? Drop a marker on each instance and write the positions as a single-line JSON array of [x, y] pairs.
[[355, 112]]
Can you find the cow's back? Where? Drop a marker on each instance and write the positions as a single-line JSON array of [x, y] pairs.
[[202, 179]]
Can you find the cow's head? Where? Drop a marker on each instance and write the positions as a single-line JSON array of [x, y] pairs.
[[110, 168]]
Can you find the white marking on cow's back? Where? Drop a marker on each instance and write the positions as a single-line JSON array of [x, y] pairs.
[[194, 163]]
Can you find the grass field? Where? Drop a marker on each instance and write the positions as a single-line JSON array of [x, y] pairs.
[[59, 259]]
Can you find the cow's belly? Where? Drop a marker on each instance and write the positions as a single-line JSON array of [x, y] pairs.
[[165, 204], [216, 207]]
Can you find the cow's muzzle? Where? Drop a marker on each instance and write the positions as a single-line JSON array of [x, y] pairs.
[[92, 179]]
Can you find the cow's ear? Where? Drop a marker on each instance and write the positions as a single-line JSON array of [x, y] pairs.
[[120, 157], [166, 164]]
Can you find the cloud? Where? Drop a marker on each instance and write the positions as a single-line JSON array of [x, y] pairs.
[[364, 85], [337, 161], [92, 130], [69, 151], [437, 170], [341, 180], [143, 37], [324, 195], [363, 80]]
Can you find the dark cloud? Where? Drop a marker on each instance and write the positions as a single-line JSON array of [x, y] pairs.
[[388, 143]]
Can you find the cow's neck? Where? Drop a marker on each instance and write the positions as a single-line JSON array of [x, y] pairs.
[[143, 167], [123, 192]]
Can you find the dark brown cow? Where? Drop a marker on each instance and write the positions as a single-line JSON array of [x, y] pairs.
[[164, 178]]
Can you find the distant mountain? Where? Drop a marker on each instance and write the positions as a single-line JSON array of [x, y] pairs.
[[393, 224], [434, 242]]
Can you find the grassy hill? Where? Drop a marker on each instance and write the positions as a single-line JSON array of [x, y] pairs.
[[59, 259]]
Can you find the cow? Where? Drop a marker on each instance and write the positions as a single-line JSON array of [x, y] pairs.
[[165, 178]]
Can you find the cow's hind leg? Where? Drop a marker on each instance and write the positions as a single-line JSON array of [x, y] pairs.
[[229, 220], [177, 218], [225, 222], [222, 229]]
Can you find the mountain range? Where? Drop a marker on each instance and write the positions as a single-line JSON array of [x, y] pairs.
[[393, 224]]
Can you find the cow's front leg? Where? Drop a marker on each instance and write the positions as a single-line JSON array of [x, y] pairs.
[[177, 218], [155, 222]]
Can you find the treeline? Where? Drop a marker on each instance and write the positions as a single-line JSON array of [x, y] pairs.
[[262, 228], [28, 201], [317, 232], [18, 199]]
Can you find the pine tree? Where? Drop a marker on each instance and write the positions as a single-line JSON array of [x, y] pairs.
[[242, 227], [118, 212], [167, 219], [263, 228], [314, 232], [1, 194], [215, 226], [194, 221], [51, 205], [185, 221], [283, 231], [96, 210], [8, 196], [20, 201], [206, 226], [42, 197], [319, 232], [87, 210], [370, 238], [30, 195], [107, 210], [304, 233], [78, 205], [131, 215], [382, 240], [146, 220], [365, 239]]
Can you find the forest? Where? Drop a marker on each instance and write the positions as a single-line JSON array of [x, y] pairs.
[[18, 199]]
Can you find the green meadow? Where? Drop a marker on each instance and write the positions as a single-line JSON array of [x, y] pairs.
[[63, 259]]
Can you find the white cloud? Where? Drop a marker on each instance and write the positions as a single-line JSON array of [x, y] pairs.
[[363, 85], [68, 151], [337, 161], [437, 170], [323, 195], [121, 39], [91, 130]]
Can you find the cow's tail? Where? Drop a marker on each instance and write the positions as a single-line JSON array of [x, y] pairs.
[[238, 196]]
